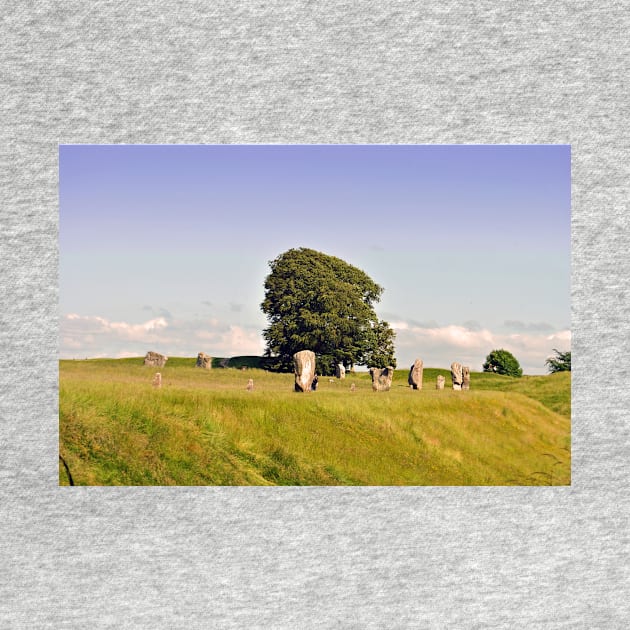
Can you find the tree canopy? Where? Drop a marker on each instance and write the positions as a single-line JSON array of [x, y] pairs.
[[560, 363], [502, 362], [318, 302]]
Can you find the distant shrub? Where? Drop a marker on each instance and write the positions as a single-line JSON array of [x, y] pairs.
[[560, 363], [502, 362]]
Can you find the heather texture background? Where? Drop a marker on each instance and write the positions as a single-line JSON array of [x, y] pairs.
[[395, 72]]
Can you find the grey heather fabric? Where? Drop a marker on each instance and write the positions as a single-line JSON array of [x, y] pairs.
[[301, 72]]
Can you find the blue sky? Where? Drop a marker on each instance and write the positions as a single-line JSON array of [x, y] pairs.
[[166, 247]]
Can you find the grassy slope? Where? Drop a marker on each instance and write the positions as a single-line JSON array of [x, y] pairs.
[[203, 427], [553, 390]]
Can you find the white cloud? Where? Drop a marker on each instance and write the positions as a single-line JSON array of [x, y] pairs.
[[399, 325], [563, 335], [455, 336], [235, 341], [77, 328], [94, 336], [439, 346], [136, 331]]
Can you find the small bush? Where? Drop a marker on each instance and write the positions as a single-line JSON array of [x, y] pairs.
[[560, 363], [502, 362]]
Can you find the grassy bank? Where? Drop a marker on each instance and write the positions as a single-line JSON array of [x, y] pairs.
[[203, 427]]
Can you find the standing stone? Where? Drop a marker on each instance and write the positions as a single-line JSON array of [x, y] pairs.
[[456, 375], [204, 361], [250, 385], [157, 380], [440, 382], [155, 359], [382, 379], [415, 374], [340, 371], [314, 383], [352, 387], [465, 377], [304, 362]]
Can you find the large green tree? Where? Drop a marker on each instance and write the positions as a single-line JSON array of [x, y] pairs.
[[318, 302]]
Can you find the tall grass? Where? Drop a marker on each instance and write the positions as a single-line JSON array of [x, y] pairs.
[[202, 427]]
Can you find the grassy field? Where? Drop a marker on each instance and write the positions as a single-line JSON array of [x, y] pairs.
[[203, 428]]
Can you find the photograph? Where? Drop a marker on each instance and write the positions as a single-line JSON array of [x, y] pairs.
[[314, 315]]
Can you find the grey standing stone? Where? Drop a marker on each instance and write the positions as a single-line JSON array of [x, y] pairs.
[[340, 371], [250, 385], [440, 382], [204, 361], [155, 359], [304, 362], [456, 375], [415, 374], [465, 377], [382, 379], [157, 380]]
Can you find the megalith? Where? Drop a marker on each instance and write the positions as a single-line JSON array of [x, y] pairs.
[[456, 375], [157, 380], [304, 362], [440, 382], [204, 361], [340, 371], [382, 378], [465, 377], [415, 374], [155, 359]]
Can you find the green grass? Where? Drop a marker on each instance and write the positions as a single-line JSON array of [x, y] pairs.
[[553, 390], [203, 428]]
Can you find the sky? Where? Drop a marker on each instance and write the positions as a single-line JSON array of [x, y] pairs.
[[166, 248]]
